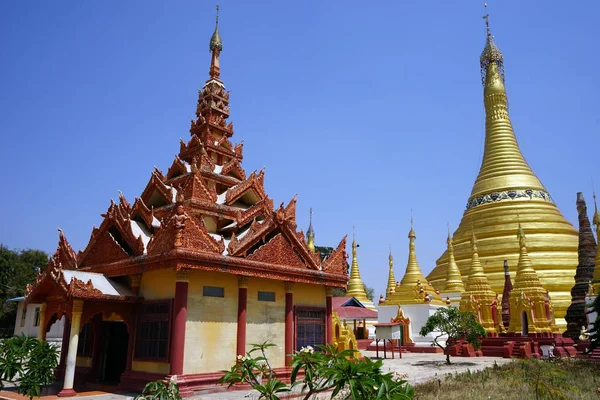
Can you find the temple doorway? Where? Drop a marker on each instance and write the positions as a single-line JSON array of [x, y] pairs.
[[113, 347], [524, 324]]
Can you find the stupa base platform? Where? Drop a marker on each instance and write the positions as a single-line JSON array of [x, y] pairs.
[[517, 346]]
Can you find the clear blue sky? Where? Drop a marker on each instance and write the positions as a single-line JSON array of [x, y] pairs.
[[366, 110]]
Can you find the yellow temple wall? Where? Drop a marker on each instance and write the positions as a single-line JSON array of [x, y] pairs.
[[159, 284], [265, 320], [211, 327], [309, 295], [151, 367]]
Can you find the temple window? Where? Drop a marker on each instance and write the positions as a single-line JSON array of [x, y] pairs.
[[310, 327], [84, 346], [23, 317], [266, 296], [153, 330], [213, 291], [36, 320]]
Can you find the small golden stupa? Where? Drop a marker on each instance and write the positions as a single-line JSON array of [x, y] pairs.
[[454, 283], [478, 296], [505, 188], [356, 287], [528, 298], [310, 235], [413, 288], [391, 285]]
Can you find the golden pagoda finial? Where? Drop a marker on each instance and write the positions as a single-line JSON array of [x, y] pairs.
[[521, 236], [490, 55], [454, 281], [310, 234], [411, 233], [356, 288], [215, 46], [413, 271], [391, 285], [473, 241], [596, 219]]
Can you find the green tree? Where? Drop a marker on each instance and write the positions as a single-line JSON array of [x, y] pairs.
[[17, 270], [28, 363], [325, 370], [455, 325], [341, 292]]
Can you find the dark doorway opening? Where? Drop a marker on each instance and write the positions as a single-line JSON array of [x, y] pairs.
[[113, 355], [524, 324]]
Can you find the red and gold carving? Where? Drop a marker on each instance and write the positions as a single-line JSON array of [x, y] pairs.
[[277, 251], [336, 262]]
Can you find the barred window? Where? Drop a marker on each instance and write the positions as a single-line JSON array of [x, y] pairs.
[[310, 327], [86, 340], [36, 320], [153, 331], [23, 317], [266, 296]]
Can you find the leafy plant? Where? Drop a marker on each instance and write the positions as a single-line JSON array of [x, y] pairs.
[[317, 371], [455, 324], [159, 390], [28, 363]]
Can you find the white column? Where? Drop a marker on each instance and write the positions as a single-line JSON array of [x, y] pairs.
[[67, 390], [42, 325]]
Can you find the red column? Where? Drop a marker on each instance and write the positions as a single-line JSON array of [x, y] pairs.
[[180, 314], [241, 319], [328, 316], [289, 323]]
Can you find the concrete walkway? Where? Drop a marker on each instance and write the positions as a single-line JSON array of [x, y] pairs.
[[414, 368]]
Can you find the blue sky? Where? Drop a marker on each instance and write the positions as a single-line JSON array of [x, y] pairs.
[[365, 111]]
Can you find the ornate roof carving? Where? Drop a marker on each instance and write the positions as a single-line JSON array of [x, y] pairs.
[[336, 262], [64, 252]]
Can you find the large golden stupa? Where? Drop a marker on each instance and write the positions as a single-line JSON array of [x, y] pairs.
[[505, 193]]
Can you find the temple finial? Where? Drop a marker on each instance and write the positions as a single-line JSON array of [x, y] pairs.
[[310, 235], [486, 17], [491, 55], [216, 46], [596, 218]]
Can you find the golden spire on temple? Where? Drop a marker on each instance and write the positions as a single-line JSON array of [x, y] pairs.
[[391, 285], [527, 294], [310, 235], [356, 288], [454, 283], [413, 271], [596, 221], [216, 46], [478, 292], [506, 186]]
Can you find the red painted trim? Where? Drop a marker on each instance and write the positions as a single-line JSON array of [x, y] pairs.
[[67, 393], [178, 332], [328, 319], [241, 321], [289, 327]]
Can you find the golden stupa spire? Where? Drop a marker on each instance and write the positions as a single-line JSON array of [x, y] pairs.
[[454, 283], [413, 272], [356, 288], [477, 281], [391, 285], [310, 235], [506, 186], [216, 46]]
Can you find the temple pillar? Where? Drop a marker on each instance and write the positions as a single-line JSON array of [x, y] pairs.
[[328, 314], [60, 370], [42, 322], [289, 322], [241, 316], [67, 390], [180, 313]]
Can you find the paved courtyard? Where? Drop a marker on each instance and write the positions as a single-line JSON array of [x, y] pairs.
[[414, 367]]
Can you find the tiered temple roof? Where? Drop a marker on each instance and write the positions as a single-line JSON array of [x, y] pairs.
[[205, 213]]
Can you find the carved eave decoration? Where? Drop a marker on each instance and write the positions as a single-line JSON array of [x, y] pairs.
[[194, 187], [177, 168], [156, 185], [234, 168], [184, 232], [139, 210], [255, 183], [262, 208], [65, 253], [336, 262]]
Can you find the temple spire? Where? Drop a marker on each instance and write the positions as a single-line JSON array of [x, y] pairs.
[[356, 288], [413, 272], [216, 46], [310, 234], [391, 285], [454, 283], [477, 281]]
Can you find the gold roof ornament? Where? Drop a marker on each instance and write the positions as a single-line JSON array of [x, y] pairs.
[[356, 287], [391, 285], [215, 41], [454, 283], [310, 234], [506, 186]]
